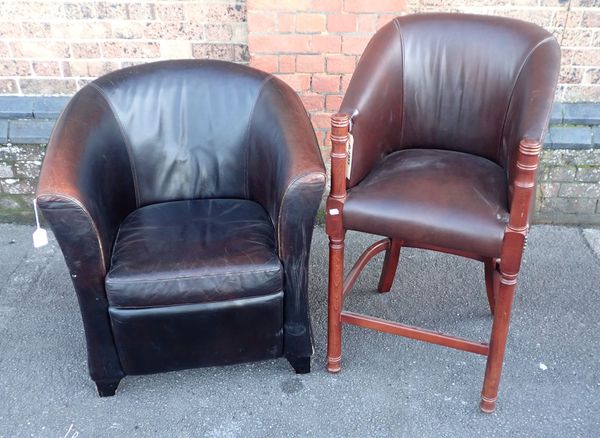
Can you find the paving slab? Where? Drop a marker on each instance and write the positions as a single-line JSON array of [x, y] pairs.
[[32, 131], [389, 386]]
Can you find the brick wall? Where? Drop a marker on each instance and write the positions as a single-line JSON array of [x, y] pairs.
[[52, 47], [55, 47], [314, 44]]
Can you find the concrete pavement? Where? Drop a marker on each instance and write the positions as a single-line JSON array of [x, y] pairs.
[[389, 386]]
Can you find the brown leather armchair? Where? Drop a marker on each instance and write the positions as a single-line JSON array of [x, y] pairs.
[[447, 115], [183, 196]]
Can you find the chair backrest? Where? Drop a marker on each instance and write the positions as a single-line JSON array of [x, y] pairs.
[[185, 124], [445, 81]]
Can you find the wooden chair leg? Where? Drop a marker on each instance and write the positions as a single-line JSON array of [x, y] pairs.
[[334, 308], [490, 281], [390, 264], [493, 370]]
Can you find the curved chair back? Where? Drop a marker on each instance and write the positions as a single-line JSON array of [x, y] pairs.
[[450, 81], [185, 124]]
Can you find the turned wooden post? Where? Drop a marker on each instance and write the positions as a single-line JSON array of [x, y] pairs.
[[515, 236], [335, 231]]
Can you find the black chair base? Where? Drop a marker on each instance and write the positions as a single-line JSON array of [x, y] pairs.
[[300, 364], [107, 388]]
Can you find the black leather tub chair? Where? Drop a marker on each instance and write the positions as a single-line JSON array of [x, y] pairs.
[[183, 195]]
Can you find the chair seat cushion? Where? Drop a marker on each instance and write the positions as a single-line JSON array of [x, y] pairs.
[[195, 251], [431, 197]]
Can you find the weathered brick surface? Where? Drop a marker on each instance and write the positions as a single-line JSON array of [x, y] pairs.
[[55, 47]]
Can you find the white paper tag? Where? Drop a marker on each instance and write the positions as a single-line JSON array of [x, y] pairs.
[[349, 146], [40, 238]]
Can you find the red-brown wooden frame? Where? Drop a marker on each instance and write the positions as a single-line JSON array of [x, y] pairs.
[[500, 274]]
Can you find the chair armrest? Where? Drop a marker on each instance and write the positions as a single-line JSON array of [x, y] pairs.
[[86, 174], [375, 98], [85, 190], [286, 175], [530, 105]]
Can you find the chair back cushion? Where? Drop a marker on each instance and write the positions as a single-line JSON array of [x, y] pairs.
[[444, 81], [185, 124]]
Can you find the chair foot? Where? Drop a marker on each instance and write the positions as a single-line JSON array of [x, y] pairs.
[[300, 364], [487, 406], [334, 364], [107, 388]]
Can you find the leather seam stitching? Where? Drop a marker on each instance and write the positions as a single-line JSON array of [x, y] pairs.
[[514, 86], [287, 190], [397, 26], [125, 139], [160, 306], [248, 132], [80, 205], [193, 277]]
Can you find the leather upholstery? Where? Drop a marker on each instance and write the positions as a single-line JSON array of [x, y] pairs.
[[434, 197], [468, 83], [194, 335], [176, 131], [472, 84], [199, 251]]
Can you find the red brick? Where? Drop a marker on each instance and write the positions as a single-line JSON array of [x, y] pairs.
[[281, 5], [286, 22], [86, 68], [382, 20], [224, 52], [4, 50], [374, 5], [299, 82], [340, 63], [48, 86], [75, 29], [266, 63], [326, 83], [218, 32], [345, 82], [141, 11], [308, 23], [14, 68], [333, 102], [111, 10], [310, 63], [321, 120], [44, 49], [127, 49], [279, 43], [171, 12], [46, 68], [127, 30], [287, 64], [341, 23], [326, 148], [326, 43], [260, 21], [354, 44], [85, 50], [326, 5], [313, 102], [31, 30], [366, 22]]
